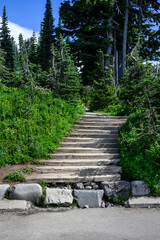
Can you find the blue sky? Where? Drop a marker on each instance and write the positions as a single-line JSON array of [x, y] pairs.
[[28, 13], [25, 16]]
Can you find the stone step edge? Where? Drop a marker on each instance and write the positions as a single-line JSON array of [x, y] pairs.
[[59, 178], [80, 162]]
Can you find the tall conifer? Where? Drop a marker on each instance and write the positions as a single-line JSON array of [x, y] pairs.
[[6, 42], [46, 38]]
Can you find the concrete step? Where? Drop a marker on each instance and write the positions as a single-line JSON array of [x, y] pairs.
[[94, 135], [86, 131], [104, 116], [85, 155], [79, 162], [89, 139], [90, 144], [98, 124], [86, 150], [80, 170], [53, 177], [102, 120], [89, 127]]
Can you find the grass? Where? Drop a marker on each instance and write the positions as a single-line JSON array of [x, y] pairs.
[[32, 128]]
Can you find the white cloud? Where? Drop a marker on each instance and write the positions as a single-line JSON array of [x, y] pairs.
[[16, 29]]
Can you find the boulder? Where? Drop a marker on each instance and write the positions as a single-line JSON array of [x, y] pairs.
[[3, 190], [28, 192], [59, 196], [14, 205], [143, 202], [140, 188], [119, 188], [79, 186], [92, 198]]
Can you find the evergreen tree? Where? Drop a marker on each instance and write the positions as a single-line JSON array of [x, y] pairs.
[[65, 78], [6, 42], [46, 38]]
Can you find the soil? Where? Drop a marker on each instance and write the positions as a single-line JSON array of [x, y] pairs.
[[11, 168]]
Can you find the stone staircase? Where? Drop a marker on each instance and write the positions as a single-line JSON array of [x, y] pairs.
[[90, 153]]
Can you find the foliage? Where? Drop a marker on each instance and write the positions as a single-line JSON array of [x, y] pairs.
[[64, 75], [27, 169], [6, 43], [14, 177], [140, 150], [117, 200], [46, 38], [32, 129], [103, 93]]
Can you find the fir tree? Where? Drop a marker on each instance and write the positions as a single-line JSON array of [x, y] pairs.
[[6, 42], [46, 38], [65, 76]]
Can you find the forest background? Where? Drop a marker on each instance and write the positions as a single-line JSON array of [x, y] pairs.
[[98, 54]]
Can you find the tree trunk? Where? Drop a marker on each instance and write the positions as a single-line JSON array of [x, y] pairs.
[[109, 45], [125, 31], [115, 61]]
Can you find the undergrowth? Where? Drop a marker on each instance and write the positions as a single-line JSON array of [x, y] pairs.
[[32, 127]]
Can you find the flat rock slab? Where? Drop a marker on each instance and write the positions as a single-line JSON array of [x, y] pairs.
[[119, 188], [140, 188], [144, 202], [28, 192], [63, 197], [14, 205], [91, 198], [3, 190]]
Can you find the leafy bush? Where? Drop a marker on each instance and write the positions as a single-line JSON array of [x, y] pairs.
[[14, 177], [31, 128], [140, 151]]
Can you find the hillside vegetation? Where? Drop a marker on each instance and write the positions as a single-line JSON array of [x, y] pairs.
[[32, 128]]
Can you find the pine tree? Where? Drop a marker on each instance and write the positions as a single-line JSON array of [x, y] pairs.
[[6, 42], [65, 76], [46, 38]]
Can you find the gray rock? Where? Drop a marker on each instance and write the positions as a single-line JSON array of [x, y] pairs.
[[3, 190], [139, 188], [87, 184], [28, 192], [103, 204], [86, 206], [91, 198], [79, 186], [107, 205], [59, 196], [144, 202], [119, 188], [95, 187], [88, 187], [14, 205]]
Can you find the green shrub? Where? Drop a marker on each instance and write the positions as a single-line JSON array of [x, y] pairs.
[[140, 151], [32, 128], [14, 177]]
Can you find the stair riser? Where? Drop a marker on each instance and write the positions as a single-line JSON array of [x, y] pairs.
[[113, 156], [92, 135], [105, 117], [90, 145], [89, 140], [75, 179], [81, 131], [81, 172], [102, 120], [95, 128], [107, 150], [103, 124], [80, 163]]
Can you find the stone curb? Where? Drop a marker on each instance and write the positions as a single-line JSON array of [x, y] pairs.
[[85, 194]]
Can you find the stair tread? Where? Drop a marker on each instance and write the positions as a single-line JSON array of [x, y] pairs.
[[50, 177]]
